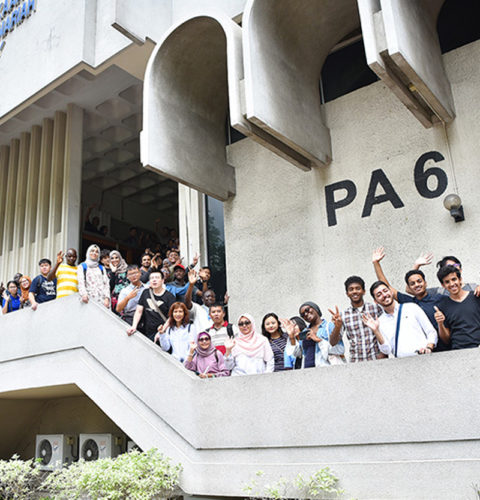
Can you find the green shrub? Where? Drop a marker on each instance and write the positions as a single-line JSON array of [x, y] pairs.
[[19, 480], [135, 475], [320, 485]]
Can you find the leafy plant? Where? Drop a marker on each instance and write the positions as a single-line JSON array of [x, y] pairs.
[[19, 480], [135, 475], [320, 485]]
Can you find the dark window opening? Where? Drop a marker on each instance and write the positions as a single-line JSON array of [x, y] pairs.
[[216, 246], [232, 134], [458, 23], [344, 71]]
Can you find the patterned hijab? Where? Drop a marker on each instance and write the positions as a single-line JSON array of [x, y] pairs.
[[122, 267], [251, 344]]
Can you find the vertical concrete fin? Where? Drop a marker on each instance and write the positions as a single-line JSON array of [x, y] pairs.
[[9, 216], [4, 162], [56, 181], [20, 199], [32, 195], [43, 187], [72, 178]]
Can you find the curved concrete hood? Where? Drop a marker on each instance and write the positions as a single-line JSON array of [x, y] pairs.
[[286, 43], [402, 48], [191, 87]]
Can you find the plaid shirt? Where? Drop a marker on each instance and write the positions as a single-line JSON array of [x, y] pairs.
[[363, 343]]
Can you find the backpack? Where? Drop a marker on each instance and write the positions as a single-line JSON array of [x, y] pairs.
[[84, 266]]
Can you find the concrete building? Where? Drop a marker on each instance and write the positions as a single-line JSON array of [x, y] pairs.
[[359, 117]]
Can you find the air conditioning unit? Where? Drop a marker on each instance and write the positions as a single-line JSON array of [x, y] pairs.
[[131, 445], [55, 450], [95, 446]]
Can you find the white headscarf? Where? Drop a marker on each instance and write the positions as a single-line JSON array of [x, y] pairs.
[[251, 344], [90, 262]]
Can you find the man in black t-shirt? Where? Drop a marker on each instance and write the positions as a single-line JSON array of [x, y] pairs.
[[153, 305], [457, 316], [42, 290]]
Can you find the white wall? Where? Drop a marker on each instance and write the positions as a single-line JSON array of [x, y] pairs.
[[280, 249]]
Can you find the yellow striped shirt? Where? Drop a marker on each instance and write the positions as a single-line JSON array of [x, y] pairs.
[[67, 281]]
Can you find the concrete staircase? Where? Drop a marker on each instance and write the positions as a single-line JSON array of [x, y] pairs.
[[406, 428]]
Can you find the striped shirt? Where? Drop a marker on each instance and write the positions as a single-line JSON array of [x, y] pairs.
[[67, 280]]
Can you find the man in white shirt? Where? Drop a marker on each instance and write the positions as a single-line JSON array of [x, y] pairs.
[[416, 335]]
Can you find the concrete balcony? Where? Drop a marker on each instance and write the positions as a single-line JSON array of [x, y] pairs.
[[404, 428]]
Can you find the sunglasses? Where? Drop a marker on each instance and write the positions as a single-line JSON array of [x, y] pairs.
[[244, 323], [203, 339]]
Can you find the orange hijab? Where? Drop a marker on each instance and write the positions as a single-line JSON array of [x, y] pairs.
[[25, 290]]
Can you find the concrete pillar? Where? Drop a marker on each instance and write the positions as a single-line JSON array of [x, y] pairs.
[[20, 200], [4, 155], [191, 224], [9, 215], [32, 195], [72, 179], [43, 188]]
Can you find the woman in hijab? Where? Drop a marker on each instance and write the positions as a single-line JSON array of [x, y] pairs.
[[204, 359], [249, 352], [25, 283], [93, 283], [118, 276]]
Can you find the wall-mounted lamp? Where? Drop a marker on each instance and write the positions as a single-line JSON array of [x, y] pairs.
[[453, 203]]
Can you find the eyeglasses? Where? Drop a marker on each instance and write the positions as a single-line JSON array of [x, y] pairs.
[[244, 323], [203, 339]]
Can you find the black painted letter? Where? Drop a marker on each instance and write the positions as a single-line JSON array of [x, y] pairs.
[[333, 205], [421, 176], [379, 177]]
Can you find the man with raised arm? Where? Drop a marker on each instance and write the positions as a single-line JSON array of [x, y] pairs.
[[66, 273], [448, 260], [198, 314], [363, 343], [403, 329], [458, 314], [416, 283]]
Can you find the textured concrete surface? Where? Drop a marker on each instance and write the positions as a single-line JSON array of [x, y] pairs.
[[280, 250], [385, 419]]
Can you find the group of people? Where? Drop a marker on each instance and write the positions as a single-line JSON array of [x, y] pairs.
[[173, 305]]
